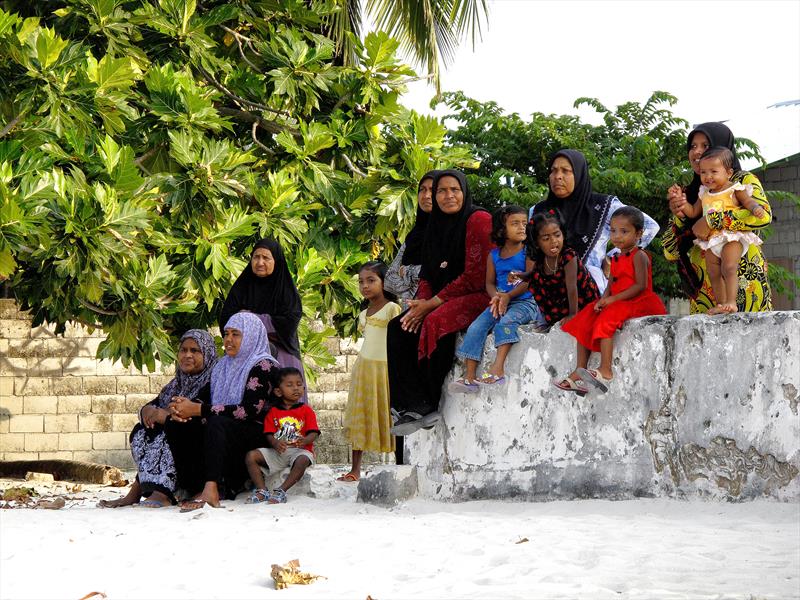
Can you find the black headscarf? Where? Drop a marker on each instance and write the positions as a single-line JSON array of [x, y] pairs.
[[583, 210], [446, 237], [275, 295], [718, 135], [416, 237]]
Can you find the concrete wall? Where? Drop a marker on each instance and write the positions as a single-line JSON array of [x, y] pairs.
[[783, 246], [699, 406], [58, 401]]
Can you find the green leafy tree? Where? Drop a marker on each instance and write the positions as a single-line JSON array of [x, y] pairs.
[[145, 145]]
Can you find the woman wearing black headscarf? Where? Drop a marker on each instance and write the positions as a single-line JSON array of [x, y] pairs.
[[754, 293], [402, 278], [587, 214], [266, 288], [452, 292]]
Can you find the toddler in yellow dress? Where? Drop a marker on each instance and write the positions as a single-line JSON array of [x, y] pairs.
[[723, 248], [367, 419]]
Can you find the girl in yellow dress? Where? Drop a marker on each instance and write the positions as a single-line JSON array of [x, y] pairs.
[[367, 418]]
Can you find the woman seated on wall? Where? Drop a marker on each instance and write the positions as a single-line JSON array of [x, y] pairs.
[[168, 451], [241, 385], [402, 278], [266, 288], [754, 293], [452, 292], [587, 214]]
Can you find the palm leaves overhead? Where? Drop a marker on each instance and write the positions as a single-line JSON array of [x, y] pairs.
[[428, 30]]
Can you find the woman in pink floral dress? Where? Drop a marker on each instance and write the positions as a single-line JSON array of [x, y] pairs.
[[241, 385]]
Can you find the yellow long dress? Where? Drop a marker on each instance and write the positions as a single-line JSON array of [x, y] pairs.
[[366, 419]]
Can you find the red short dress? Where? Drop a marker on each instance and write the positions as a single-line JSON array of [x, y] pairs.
[[589, 327]]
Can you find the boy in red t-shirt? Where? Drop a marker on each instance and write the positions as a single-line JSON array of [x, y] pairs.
[[290, 429]]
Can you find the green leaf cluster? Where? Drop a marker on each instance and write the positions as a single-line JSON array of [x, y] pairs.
[[146, 144]]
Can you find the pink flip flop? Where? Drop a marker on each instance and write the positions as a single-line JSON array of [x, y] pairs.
[[594, 379], [570, 385]]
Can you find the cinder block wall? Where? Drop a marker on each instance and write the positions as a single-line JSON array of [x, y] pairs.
[[58, 401], [783, 246]]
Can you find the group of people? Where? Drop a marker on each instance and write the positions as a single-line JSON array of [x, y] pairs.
[[222, 421], [488, 273]]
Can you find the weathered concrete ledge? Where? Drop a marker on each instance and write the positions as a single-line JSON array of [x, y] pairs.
[[699, 407]]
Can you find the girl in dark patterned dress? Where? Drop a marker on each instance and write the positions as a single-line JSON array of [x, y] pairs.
[[560, 282], [240, 386]]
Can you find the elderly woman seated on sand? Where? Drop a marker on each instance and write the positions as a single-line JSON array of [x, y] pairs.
[[166, 450]]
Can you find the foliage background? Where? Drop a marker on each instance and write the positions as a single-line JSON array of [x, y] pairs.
[[146, 144]]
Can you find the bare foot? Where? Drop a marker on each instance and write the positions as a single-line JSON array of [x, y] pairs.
[[156, 500], [716, 310], [209, 495], [132, 497], [729, 308]]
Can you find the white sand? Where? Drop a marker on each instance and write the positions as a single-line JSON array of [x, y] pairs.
[[420, 549]]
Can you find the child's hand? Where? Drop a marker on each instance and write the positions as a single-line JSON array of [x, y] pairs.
[[493, 305], [701, 229], [602, 303], [757, 210], [502, 303], [280, 446], [515, 277]]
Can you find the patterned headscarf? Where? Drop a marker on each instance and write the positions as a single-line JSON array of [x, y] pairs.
[[230, 375], [186, 385]]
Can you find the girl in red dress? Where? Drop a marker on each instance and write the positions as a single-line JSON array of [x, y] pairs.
[[629, 295]]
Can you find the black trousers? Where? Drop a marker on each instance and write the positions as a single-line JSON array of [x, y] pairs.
[[416, 385], [227, 440], [186, 442]]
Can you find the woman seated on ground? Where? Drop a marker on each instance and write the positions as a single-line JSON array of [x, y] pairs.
[[421, 342], [167, 451], [266, 288], [241, 385], [587, 214], [754, 293], [402, 278]]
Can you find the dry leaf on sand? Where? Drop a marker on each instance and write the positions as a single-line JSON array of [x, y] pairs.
[[290, 573], [522, 540], [54, 504], [93, 594]]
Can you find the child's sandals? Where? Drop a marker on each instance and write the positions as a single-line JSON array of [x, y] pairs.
[[463, 386], [594, 379], [277, 497], [259, 496], [570, 385]]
